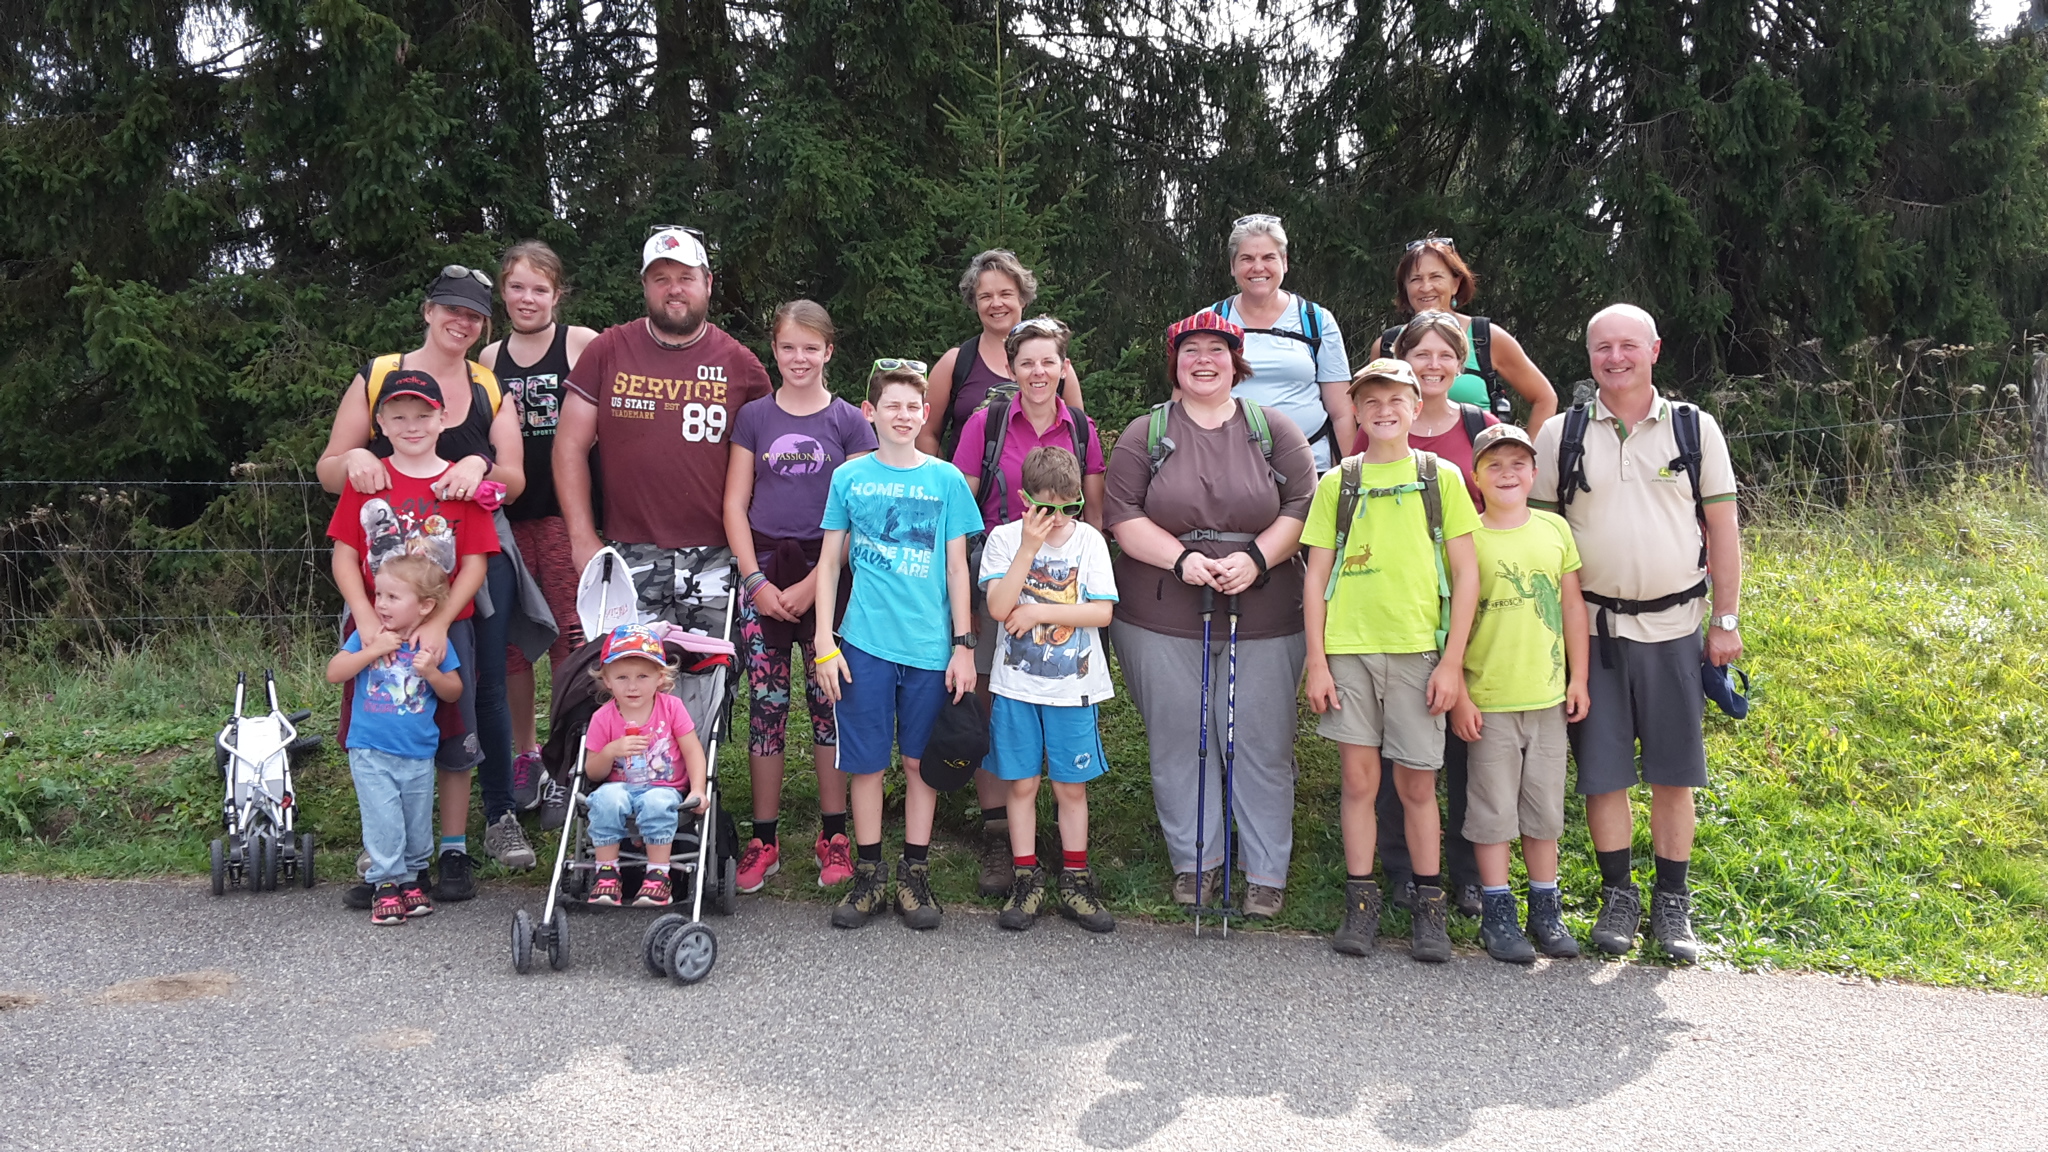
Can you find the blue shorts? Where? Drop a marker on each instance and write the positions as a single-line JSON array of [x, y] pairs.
[[886, 706], [1024, 737]]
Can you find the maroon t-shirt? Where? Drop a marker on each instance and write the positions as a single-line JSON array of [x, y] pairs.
[[663, 415]]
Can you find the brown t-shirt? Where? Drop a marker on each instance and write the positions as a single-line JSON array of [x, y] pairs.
[[662, 419], [1216, 479]]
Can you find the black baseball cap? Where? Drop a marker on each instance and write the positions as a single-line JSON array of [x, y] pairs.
[[460, 287], [410, 382], [958, 744]]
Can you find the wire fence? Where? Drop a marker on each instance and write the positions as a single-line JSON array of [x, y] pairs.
[[107, 561]]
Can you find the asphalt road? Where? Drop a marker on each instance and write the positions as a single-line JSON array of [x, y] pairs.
[[152, 1015]]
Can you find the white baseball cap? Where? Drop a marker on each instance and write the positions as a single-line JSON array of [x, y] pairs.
[[679, 244]]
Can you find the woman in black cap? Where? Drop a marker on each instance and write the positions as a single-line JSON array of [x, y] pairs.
[[481, 441]]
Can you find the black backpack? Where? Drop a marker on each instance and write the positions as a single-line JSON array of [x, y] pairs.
[[1482, 350], [1571, 458]]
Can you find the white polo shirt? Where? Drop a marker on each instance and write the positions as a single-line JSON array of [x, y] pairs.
[[1638, 535]]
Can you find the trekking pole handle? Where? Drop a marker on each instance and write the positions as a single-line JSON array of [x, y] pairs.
[[1209, 600], [1230, 607]]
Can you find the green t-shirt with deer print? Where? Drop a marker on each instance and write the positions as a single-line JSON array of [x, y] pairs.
[[1386, 599], [1515, 662]]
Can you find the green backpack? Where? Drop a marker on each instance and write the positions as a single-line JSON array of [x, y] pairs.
[[1350, 489]]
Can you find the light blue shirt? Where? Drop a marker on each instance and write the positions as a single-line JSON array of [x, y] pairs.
[[1288, 375], [898, 522]]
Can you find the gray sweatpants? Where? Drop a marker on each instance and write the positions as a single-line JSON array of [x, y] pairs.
[[1164, 677]]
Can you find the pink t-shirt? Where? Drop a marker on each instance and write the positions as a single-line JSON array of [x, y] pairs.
[[1017, 445], [662, 764]]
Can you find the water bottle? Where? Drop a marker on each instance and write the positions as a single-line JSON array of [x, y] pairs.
[[637, 771]]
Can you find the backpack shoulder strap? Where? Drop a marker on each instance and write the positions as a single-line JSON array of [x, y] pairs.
[[1685, 429], [1158, 446], [1482, 351], [963, 362], [486, 379], [1433, 513], [1311, 323], [1387, 339], [1262, 431], [373, 376], [1571, 455], [1348, 486], [1079, 421], [993, 433], [1221, 307], [1473, 417]]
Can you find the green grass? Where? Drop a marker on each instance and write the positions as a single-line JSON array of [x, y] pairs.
[[1883, 811]]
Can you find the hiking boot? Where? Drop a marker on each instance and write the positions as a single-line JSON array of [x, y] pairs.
[[1027, 899], [608, 891], [387, 906], [1074, 896], [1621, 917], [1361, 928], [835, 861], [654, 890], [1671, 925], [1470, 902], [1184, 887], [1429, 940], [554, 805], [869, 894], [526, 778], [1262, 902], [414, 893], [1501, 934], [1546, 925], [996, 860], [357, 897], [505, 842], [457, 883], [757, 863], [1402, 888], [914, 895]]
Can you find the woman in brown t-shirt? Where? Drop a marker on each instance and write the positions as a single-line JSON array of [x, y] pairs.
[[1214, 515]]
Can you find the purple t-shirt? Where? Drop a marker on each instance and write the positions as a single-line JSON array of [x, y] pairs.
[[793, 461], [1017, 445]]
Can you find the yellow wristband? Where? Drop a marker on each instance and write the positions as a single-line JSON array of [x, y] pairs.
[[827, 656]]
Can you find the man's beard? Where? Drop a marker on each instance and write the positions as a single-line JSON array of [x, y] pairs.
[[692, 324]]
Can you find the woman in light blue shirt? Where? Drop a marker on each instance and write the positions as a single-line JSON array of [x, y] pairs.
[[1293, 345]]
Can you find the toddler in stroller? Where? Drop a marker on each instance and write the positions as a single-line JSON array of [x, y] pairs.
[[640, 750]]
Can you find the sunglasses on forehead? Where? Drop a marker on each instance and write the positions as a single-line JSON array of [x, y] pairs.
[[892, 364], [1063, 507], [458, 272], [1255, 218], [654, 228], [1045, 324], [1433, 240]]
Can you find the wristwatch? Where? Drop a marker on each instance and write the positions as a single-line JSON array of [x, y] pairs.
[[1725, 622], [968, 641]]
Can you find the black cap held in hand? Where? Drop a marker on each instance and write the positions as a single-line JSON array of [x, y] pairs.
[[957, 746]]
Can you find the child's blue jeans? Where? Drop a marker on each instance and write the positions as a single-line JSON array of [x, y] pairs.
[[396, 794], [656, 808]]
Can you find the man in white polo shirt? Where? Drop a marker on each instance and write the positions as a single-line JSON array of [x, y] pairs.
[[1653, 572]]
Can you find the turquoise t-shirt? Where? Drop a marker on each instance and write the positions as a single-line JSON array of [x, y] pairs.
[[898, 522], [1470, 386]]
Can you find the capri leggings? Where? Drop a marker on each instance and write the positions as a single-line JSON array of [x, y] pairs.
[[768, 675]]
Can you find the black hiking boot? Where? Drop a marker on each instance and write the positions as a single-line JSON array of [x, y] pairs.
[[914, 895], [1430, 940], [1074, 897], [1360, 931], [868, 895], [1546, 925], [1500, 932], [1621, 917], [1027, 899], [1470, 902], [1671, 925]]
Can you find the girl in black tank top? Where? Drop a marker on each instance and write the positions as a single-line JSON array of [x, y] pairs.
[[537, 390]]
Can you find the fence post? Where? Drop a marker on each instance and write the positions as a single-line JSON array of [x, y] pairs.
[[2037, 420]]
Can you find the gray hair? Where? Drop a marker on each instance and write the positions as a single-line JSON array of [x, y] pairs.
[[1628, 310], [999, 260], [1254, 226]]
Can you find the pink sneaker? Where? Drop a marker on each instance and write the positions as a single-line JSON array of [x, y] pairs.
[[757, 864], [835, 861]]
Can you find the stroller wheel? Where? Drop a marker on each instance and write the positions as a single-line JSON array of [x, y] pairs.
[[727, 896], [654, 941], [522, 942], [270, 851], [306, 860], [219, 854], [691, 953], [558, 942]]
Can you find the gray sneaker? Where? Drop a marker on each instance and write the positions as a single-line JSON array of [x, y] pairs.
[[1430, 940], [554, 805], [1671, 925], [1361, 927], [505, 842], [1500, 933], [1262, 902], [1546, 925], [1621, 917]]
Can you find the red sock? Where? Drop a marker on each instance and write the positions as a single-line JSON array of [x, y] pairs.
[[1075, 860], [1030, 861]]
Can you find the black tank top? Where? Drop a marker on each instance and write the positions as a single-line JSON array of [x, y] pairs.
[[537, 391], [472, 437]]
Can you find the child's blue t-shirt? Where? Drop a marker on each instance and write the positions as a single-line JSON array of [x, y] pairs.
[[391, 707], [898, 522]]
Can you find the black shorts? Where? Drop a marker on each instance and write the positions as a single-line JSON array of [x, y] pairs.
[[1652, 696]]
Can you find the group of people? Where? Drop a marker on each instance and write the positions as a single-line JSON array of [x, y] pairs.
[[1459, 598]]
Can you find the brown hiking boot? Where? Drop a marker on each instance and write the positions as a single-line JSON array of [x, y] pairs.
[[1262, 902], [1184, 888], [996, 860]]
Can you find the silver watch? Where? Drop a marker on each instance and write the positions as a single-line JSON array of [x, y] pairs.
[[1725, 622]]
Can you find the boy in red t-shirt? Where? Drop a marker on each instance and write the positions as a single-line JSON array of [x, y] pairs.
[[409, 518]]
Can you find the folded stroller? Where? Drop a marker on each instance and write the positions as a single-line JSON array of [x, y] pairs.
[[259, 807], [679, 946]]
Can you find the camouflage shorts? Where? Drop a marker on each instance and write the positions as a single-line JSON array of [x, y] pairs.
[[690, 587]]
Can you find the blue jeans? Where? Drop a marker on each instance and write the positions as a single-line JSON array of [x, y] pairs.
[[396, 794], [493, 714], [656, 808]]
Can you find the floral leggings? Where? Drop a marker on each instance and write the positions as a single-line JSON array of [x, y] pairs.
[[768, 676]]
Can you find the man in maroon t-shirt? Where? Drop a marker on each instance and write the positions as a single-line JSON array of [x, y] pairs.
[[660, 393]]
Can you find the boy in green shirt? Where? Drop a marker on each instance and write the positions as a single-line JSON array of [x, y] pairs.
[[1525, 675], [1388, 604]]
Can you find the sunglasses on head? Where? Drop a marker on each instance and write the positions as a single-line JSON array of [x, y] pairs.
[[892, 364], [1255, 218], [1064, 508], [1438, 241], [457, 272], [1044, 324], [654, 228]]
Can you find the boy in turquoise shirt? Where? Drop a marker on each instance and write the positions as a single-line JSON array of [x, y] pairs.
[[1386, 643]]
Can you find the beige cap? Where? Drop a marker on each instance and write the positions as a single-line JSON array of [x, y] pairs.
[[1495, 435], [1387, 368]]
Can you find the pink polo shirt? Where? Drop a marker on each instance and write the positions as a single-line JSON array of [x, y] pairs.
[[1016, 445]]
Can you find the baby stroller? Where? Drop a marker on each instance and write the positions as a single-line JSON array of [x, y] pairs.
[[254, 754], [679, 946]]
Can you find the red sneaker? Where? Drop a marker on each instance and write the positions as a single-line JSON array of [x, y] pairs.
[[758, 863], [416, 902], [608, 892], [387, 906], [654, 891], [835, 861]]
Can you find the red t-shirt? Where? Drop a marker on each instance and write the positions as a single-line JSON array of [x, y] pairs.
[[662, 419], [1451, 445], [408, 517]]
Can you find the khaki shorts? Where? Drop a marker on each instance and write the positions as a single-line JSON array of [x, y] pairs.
[[1384, 704], [1515, 777]]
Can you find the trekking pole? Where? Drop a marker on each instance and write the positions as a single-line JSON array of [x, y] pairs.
[[1202, 741], [1229, 758]]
